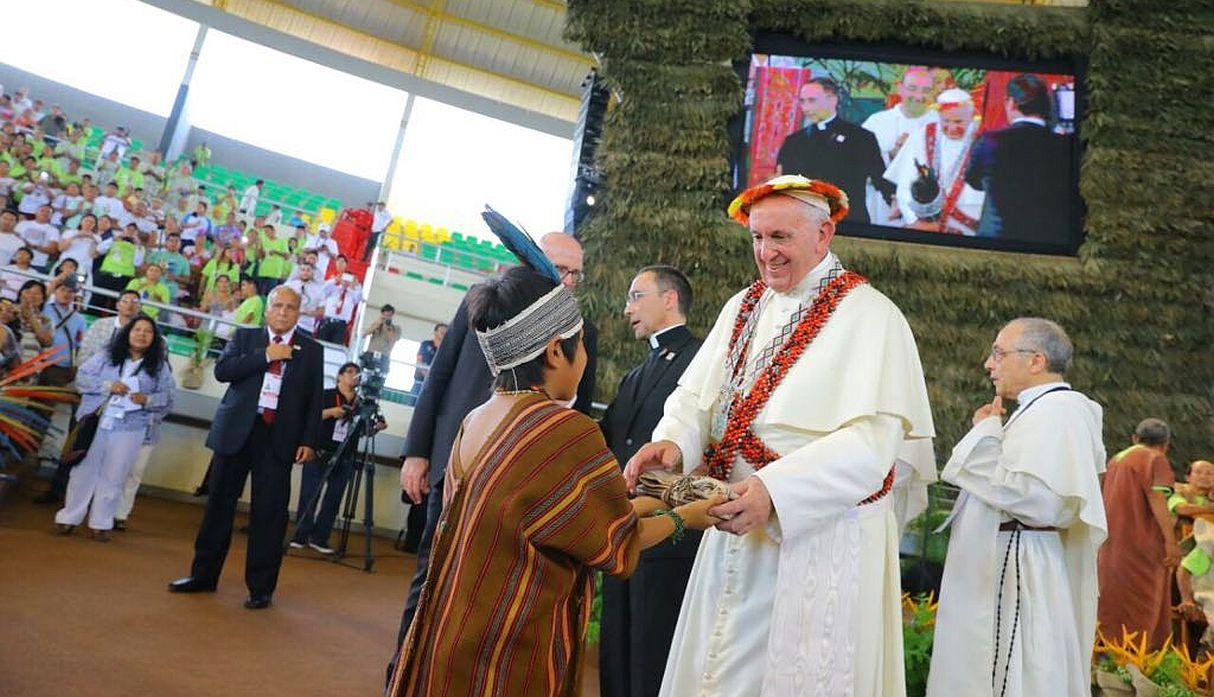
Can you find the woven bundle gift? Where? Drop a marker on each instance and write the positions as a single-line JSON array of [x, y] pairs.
[[677, 489]]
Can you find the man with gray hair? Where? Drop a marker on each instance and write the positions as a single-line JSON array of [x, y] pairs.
[[1135, 566], [1017, 610]]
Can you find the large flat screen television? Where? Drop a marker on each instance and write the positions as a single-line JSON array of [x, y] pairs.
[[944, 148]]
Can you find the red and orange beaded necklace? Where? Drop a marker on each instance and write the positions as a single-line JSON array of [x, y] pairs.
[[739, 437]]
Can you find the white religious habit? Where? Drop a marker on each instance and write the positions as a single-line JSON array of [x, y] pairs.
[[1017, 615], [889, 125], [960, 204], [810, 603]]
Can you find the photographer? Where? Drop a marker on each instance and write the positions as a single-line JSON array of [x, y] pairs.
[[384, 336], [342, 295], [313, 528]]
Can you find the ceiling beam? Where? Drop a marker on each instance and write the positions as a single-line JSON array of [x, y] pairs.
[[369, 69], [436, 12], [423, 54], [466, 66]]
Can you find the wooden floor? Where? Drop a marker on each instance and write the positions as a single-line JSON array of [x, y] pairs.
[[78, 617]]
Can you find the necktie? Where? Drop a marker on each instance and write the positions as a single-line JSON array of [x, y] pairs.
[[341, 302], [275, 368]]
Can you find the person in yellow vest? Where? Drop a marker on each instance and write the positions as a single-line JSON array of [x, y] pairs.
[[150, 287], [252, 306], [274, 264], [122, 254], [1193, 577]]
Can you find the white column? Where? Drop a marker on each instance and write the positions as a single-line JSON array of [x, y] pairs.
[[400, 140]]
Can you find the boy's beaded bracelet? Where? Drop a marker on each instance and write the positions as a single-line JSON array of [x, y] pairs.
[[679, 525]]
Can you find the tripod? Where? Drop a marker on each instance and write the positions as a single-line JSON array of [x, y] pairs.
[[364, 421]]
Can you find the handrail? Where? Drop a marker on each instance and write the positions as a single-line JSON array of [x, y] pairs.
[[205, 317]]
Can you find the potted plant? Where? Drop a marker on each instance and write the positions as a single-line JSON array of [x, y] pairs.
[[192, 376], [1126, 667]]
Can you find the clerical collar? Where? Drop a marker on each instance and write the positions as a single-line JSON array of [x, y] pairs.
[[1029, 119], [807, 289], [1030, 393], [821, 125], [655, 341]]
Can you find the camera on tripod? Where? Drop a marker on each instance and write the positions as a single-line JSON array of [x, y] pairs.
[[361, 421], [373, 373]]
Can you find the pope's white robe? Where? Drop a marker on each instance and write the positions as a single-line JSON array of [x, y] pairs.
[[1042, 470], [889, 125], [808, 605], [902, 172]]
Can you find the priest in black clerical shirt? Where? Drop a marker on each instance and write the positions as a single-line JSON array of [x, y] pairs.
[[639, 614], [835, 150]]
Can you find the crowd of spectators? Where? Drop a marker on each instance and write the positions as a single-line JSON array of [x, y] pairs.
[[120, 219], [75, 218]]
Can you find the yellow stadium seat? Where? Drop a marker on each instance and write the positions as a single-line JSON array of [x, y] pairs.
[[443, 235], [427, 234], [392, 240], [328, 215], [411, 232]]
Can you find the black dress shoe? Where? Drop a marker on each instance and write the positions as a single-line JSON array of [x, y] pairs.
[[189, 584], [257, 601], [120, 525]]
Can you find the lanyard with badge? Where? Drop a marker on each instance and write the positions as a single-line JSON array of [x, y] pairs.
[[271, 384], [119, 405], [341, 429]]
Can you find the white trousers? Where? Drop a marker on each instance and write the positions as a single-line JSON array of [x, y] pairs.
[[132, 482], [100, 478]]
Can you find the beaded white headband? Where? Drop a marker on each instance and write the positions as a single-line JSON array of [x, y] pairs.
[[524, 336]]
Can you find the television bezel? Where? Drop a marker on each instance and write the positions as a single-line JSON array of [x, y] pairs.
[[780, 44]]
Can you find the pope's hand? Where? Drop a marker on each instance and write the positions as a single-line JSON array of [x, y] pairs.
[[751, 508], [995, 408], [659, 455]]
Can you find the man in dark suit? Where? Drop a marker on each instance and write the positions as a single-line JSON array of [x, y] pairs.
[[268, 418], [832, 149], [640, 613], [459, 381], [1025, 170]]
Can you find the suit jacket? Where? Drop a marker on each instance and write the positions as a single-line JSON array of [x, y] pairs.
[[843, 154], [460, 381], [631, 418], [1026, 172], [242, 365]]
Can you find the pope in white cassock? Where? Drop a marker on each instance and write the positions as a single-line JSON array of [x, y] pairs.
[[944, 146], [1017, 615], [893, 128], [808, 397]]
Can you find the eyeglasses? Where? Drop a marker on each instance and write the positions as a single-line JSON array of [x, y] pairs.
[[635, 295], [576, 274], [998, 354]]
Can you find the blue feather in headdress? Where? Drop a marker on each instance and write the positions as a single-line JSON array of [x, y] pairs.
[[520, 244]]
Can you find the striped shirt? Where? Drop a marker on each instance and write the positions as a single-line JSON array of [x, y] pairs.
[[511, 579]]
